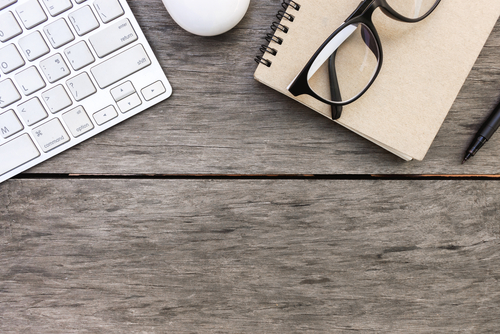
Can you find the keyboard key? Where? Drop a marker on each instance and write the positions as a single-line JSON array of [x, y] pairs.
[[54, 68], [105, 115], [9, 124], [79, 55], [50, 135], [33, 46], [108, 10], [56, 7], [31, 14], [58, 33], [32, 111], [30, 80], [153, 90], [6, 3], [8, 93], [20, 150], [77, 121], [113, 38], [83, 20], [122, 91], [56, 99], [120, 66], [10, 59], [129, 103], [9, 27], [81, 86]]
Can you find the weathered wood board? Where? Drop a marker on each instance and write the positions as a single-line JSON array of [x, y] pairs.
[[249, 256]]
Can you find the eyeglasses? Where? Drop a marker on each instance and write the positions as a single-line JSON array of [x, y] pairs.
[[348, 62]]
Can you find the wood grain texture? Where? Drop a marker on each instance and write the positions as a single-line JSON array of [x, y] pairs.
[[252, 256], [249, 256], [221, 121]]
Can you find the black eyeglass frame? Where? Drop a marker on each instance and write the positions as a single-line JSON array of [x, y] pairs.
[[362, 15]]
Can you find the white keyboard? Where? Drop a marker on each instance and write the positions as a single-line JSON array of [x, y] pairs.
[[69, 69]]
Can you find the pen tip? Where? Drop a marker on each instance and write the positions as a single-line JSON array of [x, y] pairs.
[[466, 158]]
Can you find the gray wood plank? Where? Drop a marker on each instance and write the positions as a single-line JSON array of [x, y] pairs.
[[249, 256], [220, 120]]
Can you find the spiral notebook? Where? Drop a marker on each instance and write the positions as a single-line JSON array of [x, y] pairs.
[[425, 66]]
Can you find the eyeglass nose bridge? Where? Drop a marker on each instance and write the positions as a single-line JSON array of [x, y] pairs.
[[367, 7], [387, 9]]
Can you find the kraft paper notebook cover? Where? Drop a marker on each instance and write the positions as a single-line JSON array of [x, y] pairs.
[[425, 65]]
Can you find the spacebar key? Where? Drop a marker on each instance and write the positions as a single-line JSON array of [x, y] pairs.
[[17, 152], [120, 66]]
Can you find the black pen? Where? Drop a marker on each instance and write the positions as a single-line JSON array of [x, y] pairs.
[[485, 132]]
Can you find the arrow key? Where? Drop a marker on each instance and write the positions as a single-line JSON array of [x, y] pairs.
[[153, 90], [122, 91], [129, 103], [105, 115]]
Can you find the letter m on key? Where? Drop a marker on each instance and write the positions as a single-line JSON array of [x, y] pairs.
[[4, 130]]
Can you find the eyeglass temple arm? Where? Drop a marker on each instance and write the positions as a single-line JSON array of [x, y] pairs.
[[334, 87]]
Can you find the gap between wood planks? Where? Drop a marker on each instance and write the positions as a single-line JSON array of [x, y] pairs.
[[264, 176]]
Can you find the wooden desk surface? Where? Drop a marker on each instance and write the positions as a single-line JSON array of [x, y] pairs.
[[230, 208]]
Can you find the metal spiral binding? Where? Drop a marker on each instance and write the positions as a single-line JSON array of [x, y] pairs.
[[274, 38], [275, 26], [265, 48], [263, 61], [282, 14], [285, 4]]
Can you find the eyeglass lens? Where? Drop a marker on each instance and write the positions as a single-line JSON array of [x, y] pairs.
[[349, 62], [412, 9], [351, 66]]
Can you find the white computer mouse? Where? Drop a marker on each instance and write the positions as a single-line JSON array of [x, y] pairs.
[[207, 17]]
